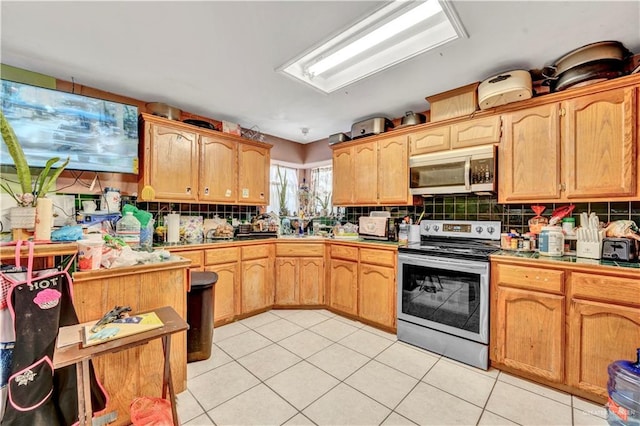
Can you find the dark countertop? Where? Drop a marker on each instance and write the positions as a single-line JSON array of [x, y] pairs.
[[306, 239], [534, 255]]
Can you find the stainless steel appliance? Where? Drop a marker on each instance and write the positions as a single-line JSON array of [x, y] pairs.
[[456, 171], [338, 138], [369, 127], [624, 249], [443, 289]]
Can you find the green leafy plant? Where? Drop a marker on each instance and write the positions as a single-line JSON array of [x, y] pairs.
[[324, 201], [31, 190]]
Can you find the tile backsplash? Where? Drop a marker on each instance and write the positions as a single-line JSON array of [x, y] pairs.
[[452, 207], [512, 216]]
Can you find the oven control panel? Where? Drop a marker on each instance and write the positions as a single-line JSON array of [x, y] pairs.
[[481, 229]]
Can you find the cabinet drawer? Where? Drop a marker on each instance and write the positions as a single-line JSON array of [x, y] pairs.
[[194, 255], [605, 288], [549, 280], [378, 257], [221, 255], [480, 131], [299, 249], [344, 252], [255, 252]]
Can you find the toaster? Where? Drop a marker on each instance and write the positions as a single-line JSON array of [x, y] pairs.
[[372, 126], [624, 249]]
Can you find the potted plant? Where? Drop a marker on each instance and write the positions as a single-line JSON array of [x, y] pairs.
[[32, 190], [324, 202]]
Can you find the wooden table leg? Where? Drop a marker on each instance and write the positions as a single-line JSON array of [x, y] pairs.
[[167, 380], [85, 411]]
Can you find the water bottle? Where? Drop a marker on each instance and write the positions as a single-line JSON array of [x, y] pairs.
[[128, 229], [623, 408]]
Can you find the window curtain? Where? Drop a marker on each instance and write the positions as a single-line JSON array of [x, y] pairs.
[[320, 186]]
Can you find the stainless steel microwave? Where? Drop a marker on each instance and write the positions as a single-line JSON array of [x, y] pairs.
[[467, 170]]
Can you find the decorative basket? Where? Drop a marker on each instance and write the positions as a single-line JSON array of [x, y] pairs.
[[23, 217]]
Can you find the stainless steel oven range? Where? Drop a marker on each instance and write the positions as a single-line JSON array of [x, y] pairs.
[[443, 289]]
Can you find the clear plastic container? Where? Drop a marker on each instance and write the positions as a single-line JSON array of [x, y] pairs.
[[128, 228], [403, 233], [623, 408]]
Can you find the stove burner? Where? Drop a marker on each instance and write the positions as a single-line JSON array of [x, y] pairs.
[[460, 248]]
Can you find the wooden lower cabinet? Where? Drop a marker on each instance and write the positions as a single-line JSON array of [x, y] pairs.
[[563, 324], [286, 284], [603, 327], [376, 294], [343, 285], [530, 332], [257, 285], [299, 274], [226, 300], [299, 281], [311, 281]]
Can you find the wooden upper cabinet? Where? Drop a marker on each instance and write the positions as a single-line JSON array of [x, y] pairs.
[[393, 171], [480, 131], [529, 155], [365, 168], [343, 175], [171, 162], [372, 173], [430, 140], [253, 180], [201, 165], [218, 165], [599, 140]]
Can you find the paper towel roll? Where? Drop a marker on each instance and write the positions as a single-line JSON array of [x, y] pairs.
[[414, 233], [173, 228], [44, 219]]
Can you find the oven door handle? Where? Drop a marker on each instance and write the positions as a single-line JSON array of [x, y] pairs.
[[428, 261]]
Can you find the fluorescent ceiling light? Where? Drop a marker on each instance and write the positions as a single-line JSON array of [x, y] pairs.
[[398, 31]]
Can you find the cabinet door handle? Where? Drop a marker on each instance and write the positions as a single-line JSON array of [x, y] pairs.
[[206, 190], [188, 190]]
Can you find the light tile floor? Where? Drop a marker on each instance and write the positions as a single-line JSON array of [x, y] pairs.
[[305, 367]]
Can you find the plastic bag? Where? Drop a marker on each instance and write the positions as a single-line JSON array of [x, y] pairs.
[[538, 221], [67, 233], [145, 411]]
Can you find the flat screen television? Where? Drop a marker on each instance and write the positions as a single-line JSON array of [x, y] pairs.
[[95, 134]]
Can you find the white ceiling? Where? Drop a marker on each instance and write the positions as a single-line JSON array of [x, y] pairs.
[[218, 59]]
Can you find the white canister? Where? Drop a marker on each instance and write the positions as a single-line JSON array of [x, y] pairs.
[[551, 241]]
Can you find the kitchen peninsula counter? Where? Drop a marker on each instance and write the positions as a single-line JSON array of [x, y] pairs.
[[145, 287], [137, 371]]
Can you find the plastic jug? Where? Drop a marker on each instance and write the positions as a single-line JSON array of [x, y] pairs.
[[128, 228], [623, 407]]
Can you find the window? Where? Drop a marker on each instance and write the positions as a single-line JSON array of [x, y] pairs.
[[321, 185], [284, 190]]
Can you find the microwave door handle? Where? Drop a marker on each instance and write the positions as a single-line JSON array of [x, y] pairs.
[[467, 174]]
